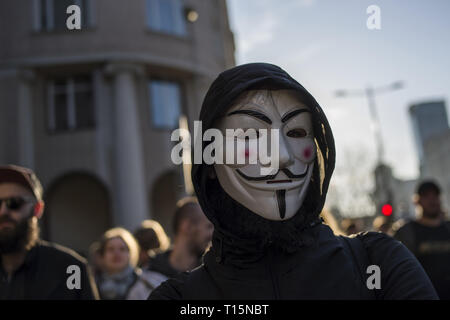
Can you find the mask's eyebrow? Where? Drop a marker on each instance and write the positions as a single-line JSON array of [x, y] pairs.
[[293, 113], [252, 113]]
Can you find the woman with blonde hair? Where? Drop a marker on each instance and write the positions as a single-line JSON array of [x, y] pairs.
[[121, 278]]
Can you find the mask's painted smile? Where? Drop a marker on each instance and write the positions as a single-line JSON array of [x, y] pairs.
[[272, 176], [270, 182]]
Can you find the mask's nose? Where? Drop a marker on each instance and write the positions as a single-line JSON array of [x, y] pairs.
[[281, 155], [286, 158]]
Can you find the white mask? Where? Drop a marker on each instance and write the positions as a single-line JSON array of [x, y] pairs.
[[278, 197]]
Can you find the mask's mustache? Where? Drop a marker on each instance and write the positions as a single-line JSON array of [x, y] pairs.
[[286, 171]]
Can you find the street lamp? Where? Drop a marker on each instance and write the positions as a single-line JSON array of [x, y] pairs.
[[370, 93], [191, 14]]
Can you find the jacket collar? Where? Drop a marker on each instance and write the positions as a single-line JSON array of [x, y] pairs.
[[229, 249]]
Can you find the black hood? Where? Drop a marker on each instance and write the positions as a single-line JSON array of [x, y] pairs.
[[226, 214]]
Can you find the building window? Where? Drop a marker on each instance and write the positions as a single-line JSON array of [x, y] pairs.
[[165, 103], [51, 15], [70, 104], [166, 16]]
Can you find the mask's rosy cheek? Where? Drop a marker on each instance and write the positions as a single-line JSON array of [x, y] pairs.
[[307, 153], [246, 153], [250, 154]]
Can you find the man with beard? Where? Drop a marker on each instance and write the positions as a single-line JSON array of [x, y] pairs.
[[193, 233], [268, 240], [428, 237], [31, 268]]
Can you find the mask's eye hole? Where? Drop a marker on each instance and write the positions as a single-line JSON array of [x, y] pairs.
[[297, 133]]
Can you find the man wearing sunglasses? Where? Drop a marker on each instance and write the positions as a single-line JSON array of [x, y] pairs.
[[29, 267]]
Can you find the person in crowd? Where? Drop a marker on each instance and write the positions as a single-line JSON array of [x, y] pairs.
[[351, 226], [330, 220], [193, 233], [152, 240], [31, 268], [269, 241], [95, 259], [428, 236], [120, 278], [383, 224]]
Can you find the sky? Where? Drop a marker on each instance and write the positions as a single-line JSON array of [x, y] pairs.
[[326, 46]]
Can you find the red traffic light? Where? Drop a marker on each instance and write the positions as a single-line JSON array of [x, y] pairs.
[[386, 210]]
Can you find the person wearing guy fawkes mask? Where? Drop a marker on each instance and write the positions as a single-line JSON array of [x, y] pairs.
[[31, 268], [268, 240]]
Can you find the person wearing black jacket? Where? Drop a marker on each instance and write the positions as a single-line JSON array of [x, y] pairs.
[[268, 240], [428, 237], [32, 269], [192, 236]]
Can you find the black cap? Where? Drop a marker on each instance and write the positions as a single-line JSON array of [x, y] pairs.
[[22, 176], [426, 186]]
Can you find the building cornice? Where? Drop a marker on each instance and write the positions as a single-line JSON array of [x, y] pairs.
[[116, 67], [187, 66]]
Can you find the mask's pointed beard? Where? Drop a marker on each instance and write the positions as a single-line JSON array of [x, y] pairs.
[[281, 202]]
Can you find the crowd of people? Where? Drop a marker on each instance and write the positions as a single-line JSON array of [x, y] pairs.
[[246, 236], [120, 265], [130, 266], [427, 236]]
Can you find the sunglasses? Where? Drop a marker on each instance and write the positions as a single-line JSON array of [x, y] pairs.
[[14, 203]]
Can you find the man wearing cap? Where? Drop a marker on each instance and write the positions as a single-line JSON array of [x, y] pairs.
[[29, 267], [428, 237]]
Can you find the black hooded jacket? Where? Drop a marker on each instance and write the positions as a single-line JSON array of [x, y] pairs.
[[300, 258]]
